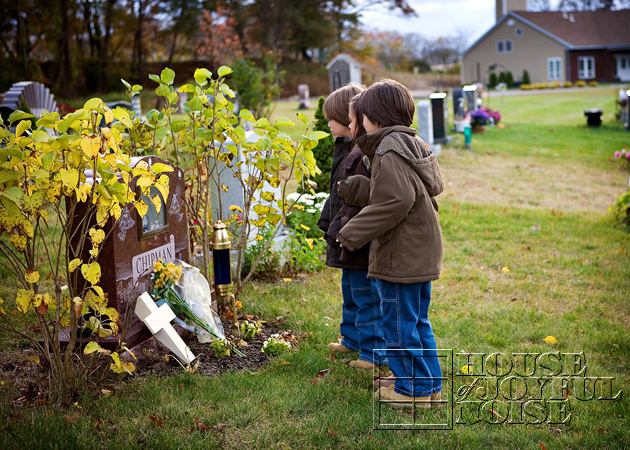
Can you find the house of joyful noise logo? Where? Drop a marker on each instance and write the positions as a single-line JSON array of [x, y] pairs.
[[526, 388]]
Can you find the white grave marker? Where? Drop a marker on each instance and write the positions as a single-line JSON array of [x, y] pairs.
[[158, 321]]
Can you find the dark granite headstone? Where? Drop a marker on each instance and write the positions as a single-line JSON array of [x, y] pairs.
[[439, 111], [134, 244], [458, 103]]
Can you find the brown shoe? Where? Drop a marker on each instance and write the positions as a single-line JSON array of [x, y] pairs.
[[436, 398], [393, 398], [337, 347], [363, 364], [384, 381]]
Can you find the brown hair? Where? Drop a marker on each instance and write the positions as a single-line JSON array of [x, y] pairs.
[[338, 102], [355, 107], [387, 103]]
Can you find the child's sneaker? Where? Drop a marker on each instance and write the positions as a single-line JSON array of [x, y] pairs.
[[338, 347], [393, 398], [363, 364]]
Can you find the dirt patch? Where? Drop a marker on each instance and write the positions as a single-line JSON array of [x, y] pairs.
[[494, 178]]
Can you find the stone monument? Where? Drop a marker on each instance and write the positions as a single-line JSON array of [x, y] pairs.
[[343, 69]]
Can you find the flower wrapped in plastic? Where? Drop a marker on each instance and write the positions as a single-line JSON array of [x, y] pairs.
[[188, 294]]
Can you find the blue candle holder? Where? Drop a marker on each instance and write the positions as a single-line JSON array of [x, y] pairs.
[[221, 244]]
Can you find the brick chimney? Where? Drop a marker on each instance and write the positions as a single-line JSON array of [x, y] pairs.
[[503, 6]]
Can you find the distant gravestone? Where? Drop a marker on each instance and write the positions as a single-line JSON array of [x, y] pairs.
[[34, 94], [425, 125], [304, 93], [440, 116], [135, 243], [458, 103], [471, 94], [182, 97], [343, 69]]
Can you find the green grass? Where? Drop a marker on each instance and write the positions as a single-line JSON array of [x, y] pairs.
[[529, 252]]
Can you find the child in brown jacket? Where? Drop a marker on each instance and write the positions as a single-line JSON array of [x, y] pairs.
[[402, 223]]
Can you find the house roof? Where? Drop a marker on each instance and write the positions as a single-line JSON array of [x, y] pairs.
[[589, 29], [343, 56]]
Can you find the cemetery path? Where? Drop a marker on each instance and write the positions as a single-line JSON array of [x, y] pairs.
[[502, 179]]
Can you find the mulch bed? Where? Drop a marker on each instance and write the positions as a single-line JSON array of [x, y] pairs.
[[22, 373]]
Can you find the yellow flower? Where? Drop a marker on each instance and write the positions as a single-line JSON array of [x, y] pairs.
[[239, 304], [158, 266], [259, 237], [550, 340], [235, 208], [300, 207], [466, 369], [304, 227], [505, 269]]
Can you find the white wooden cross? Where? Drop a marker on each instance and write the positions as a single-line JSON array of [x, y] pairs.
[[158, 321]]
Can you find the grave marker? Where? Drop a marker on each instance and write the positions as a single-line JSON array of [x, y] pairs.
[[343, 69]]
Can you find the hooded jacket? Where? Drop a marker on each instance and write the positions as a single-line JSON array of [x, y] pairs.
[[401, 218]]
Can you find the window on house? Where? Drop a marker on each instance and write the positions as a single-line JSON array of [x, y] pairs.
[[508, 46], [504, 46], [586, 67], [500, 48], [510, 22], [519, 31], [554, 70]]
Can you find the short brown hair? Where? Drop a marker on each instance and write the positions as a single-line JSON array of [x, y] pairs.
[[337, 104], [387, 103], [354, 106]]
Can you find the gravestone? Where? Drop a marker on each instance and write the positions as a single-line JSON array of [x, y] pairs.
[[440, 116], [136, 105], [343, 69], [425, 126], [470, 92], [34, 94], [135, 243], [304, 97], [459, 113], [182, 97]]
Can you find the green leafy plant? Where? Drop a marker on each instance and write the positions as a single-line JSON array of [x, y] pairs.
[[492, 80], [306, 254], [255, 87], [220, 347], [275, 345], [210, 145], [525, 77], [52, 221], [250, 329], [306, 212]]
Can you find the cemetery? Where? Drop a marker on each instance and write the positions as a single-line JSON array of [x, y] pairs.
[[164, 280]]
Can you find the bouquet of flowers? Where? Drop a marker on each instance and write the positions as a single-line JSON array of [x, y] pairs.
[[164, 277], [479, 117]]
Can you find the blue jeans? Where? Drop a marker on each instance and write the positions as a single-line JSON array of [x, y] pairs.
[[361, 316], [406, 328]]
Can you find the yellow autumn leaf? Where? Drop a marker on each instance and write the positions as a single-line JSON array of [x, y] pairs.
[[236, 208], [157, 202], [18, 241], [111, 159], [74, 264], [287, 280], [102, 214], [224, 187], [550, 340], [142, 208], [116, 210], [304, 227], [97, 236], [466, 369], [259, 237], [94, 252], [144, 181], [91, 272], [108, 114], [31, 276], [83, 191], [69, 177], [2, 311], [34, 359], [505, 269], [92, 347], [123, 366], [309, 242], [90, 146], [24, 299]]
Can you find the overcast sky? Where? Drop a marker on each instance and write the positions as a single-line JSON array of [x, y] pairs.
[[437, 18]]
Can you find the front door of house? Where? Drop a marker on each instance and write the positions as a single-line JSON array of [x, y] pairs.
[[623, 67]]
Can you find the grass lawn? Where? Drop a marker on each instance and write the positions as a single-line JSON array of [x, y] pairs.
[[529, 252]]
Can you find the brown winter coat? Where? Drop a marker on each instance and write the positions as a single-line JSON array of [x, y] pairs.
[[401, 218]]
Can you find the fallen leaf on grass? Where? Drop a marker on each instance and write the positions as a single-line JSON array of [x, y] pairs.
[[542, 446], [157, 421], [332, 434], [505, 269], [71, 418], [180, 387], [496, 413], [283, 363], [106, 392], [550, 340], [34, 359], [320, 376]]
